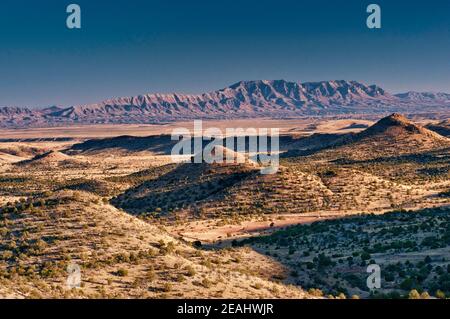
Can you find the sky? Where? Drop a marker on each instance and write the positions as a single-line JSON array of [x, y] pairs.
[[131, 47]]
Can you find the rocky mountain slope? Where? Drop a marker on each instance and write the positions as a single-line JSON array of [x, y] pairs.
[[244, 99], [425, 96]]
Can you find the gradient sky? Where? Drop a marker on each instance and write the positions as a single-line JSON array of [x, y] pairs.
[[130, 47]]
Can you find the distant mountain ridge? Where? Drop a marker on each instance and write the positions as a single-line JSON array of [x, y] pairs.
[[425, 96], [245, 99]]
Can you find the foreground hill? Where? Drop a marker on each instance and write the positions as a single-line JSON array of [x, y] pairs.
[[245, 99], [120, 256], [140, 226], [228, 192]]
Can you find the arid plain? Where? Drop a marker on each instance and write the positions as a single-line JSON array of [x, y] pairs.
[[349, 192]]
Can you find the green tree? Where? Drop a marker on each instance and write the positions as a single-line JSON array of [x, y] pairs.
[[440, 294], [424, 295]]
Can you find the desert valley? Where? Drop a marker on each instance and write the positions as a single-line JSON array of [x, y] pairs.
[[357, 185]]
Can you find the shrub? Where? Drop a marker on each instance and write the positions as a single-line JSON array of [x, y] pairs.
[[341, 296], [167, 287], [151, 275], [315, 292], [424, 295], [407, 284], [206, 283], [190, 271], [122, 272], [414, 294], [440, 294], [365, 256], [257, 285]]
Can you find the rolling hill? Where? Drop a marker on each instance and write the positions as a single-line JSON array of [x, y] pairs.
[[391, 136], [186, 186], [51, 158], [308, 181], [119, 255]]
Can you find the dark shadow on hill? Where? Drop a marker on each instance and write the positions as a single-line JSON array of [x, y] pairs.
[[97, 187], [355, 126], [163, 144], [184, 188], [310, 145], [442, 128], [158, 144], [435, 156]]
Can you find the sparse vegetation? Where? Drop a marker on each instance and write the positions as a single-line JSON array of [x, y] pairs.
[[141, 227]]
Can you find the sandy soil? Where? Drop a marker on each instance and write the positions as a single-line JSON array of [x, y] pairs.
[[102, 131], [211, 232]]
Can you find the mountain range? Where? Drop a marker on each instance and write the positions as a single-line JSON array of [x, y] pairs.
[[245, 99]]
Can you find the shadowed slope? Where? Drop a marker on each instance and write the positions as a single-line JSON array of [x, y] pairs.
[[442, 128], [52, 158], [119, 255]]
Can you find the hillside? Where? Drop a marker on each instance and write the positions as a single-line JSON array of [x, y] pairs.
[[141, 226], [397, 127], [411, 247], [391, 136], [313, 182], [186, 186], [51, 158], [120, 256], [442, 128]]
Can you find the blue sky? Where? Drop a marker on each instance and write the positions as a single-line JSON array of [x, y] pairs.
[[129, 47]]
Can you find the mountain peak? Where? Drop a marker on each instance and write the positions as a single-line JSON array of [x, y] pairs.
[[394, 120], [244, 99], [398, 127], [425, 96], [397, 118], [323, 93]]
